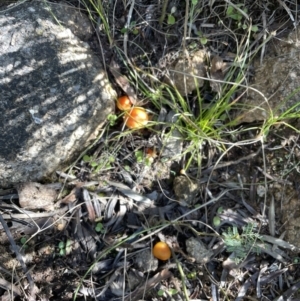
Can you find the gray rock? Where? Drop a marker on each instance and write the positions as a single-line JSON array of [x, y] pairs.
[[185, 190], [197, 250], [54, 94], [277, 79], [183, 75], [145, 262]]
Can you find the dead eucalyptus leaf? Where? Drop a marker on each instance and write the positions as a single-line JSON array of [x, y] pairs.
[[122, 81], [71, 197], [218, 70], [89, 205], [129, 192], [272, 217]]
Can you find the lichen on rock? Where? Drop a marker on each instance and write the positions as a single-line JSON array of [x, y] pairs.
[[54, 92]]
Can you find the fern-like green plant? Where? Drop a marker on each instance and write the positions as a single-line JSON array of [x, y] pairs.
[[242, 244]]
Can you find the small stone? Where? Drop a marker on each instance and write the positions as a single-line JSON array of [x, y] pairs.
[[261, 190], [134, 279], [196, 249], [145, 261], [37, 196], [185, 190], [185, 72]]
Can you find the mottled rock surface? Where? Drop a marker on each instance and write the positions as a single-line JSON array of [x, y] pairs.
[[54, 95], [145, 261], [185, 190], [197, 250], [183, 75], [277, 79]]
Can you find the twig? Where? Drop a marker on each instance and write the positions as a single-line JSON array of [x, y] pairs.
[[18, 255], [275, 179], [127, 26], [10, 286], [163, 12], [288, 11], [186, 18], [32, 215], [229, 163]]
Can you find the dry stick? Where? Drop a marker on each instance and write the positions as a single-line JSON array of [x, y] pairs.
[[288, 11], [97, 31], [186, 18], [127, 26], [163, 13], [229, 163], [13, 6], [265, 37], [31, 215], [7, 285], [15, 249], [275, 179]]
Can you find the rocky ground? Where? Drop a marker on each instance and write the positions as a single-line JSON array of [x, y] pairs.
[[231, 218]]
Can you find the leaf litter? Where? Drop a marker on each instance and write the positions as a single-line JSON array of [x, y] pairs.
[[248, 254]]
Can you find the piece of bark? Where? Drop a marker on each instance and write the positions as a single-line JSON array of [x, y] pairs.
[[122, 81]]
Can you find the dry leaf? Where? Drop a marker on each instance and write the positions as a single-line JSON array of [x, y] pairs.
[[122, 81], [71, 197], [218, 70]]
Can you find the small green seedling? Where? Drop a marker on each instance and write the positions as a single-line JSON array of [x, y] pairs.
[[203, 39], [132, 28], [192, 275], [104, 162], [220, 210], [141, 158], [139, 155], [236, 15], [171, 18], [61, 247], [100, 228], [23, 242], [65, 248], [171, 292], [216, 221], [127, 168], [242, 244], [112, 119]]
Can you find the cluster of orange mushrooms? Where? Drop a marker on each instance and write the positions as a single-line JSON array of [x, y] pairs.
[[135, 117]]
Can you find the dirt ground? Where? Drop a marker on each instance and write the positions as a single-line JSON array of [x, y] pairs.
[[238, 209]]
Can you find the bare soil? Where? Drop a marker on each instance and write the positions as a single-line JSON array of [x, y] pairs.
[[115, 206]]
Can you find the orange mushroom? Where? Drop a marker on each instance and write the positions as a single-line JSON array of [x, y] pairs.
[[161, 251], [136, 118], [124, 103]]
